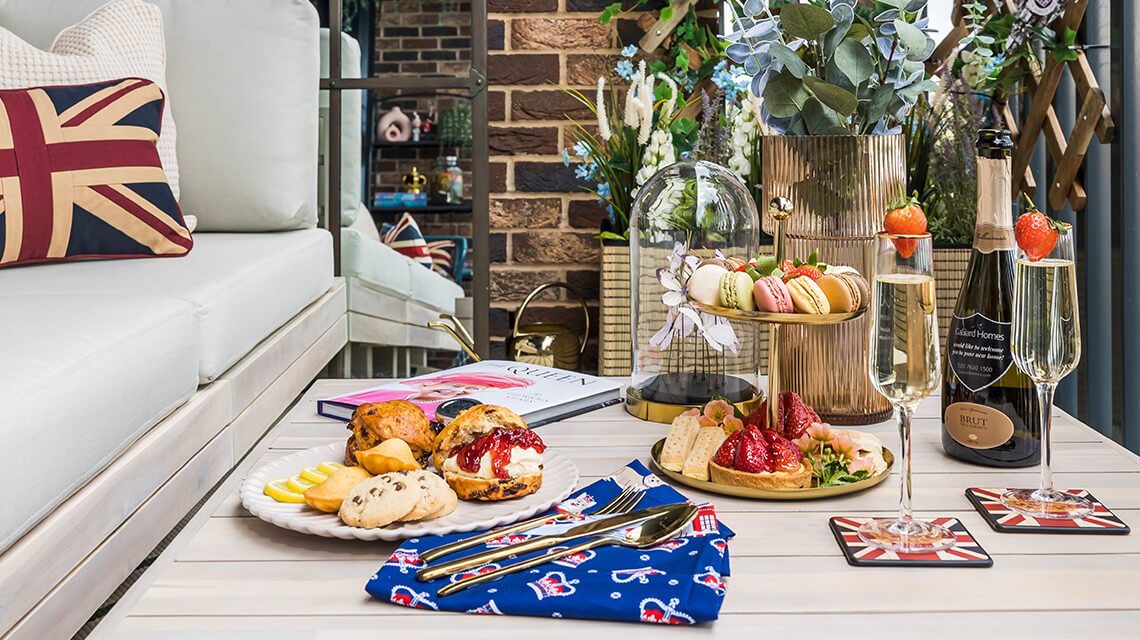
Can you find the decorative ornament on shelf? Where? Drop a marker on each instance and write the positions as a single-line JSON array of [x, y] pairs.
[[688, 212], [394, 126], [415, 181]]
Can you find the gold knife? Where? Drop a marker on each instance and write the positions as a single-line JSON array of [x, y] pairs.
[[534, 544], [649, 533]]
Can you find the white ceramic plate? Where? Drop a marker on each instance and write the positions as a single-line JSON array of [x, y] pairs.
[[559, 477]]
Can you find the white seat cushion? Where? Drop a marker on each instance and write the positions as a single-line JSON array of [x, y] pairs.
[[242, 286], [388, 271], [81, 378], [243, 85]]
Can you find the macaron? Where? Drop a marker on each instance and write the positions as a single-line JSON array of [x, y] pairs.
[[720, 262], [771, 294], [741, 285], [704, 284], [842, 293], [734, 263], [807, 296], [857, 279]]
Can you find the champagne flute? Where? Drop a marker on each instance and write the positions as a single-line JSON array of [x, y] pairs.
[[904, 367], [1046, 346]]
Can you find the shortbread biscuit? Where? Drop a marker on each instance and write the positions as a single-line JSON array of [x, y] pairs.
[[432, 492], [380, 501]]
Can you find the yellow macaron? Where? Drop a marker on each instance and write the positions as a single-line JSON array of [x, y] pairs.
[[807, 296]]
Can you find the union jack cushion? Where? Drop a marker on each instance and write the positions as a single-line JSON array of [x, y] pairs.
[[405, 237], [80, 175], [442, 255]]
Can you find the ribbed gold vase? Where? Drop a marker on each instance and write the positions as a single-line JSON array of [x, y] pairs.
[[839, 187]]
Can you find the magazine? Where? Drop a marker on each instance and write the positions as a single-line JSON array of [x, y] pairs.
[[539, 394]]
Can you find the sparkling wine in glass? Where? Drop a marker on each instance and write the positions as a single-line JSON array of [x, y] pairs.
[[1046, 347], [904, 366]]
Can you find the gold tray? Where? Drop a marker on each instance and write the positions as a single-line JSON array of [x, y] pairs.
[[771, 494], [778, 318]]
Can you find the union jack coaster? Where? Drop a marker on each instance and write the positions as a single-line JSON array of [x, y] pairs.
[[966, 553], [1002, 518]]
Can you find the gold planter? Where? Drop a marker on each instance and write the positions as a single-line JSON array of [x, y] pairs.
[[615, 350], [839, 187]]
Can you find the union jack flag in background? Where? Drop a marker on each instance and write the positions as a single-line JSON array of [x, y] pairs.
[[80, 175]]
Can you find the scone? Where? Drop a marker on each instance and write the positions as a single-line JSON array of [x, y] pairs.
[[488, 453], [380, 501], [375, 422]]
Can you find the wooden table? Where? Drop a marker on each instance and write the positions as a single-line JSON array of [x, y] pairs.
[[229, 575]]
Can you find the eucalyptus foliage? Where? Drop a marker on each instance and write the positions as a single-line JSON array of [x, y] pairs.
[[832, 67]]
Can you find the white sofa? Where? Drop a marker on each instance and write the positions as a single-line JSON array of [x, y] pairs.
[[128, 388], [391, 298]]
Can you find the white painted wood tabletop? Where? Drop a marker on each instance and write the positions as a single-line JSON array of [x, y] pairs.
[[230, 575]]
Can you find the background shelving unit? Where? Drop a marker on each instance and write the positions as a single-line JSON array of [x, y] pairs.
[[472, 87]]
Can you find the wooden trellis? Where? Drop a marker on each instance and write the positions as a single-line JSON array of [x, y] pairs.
[[1093, 118]]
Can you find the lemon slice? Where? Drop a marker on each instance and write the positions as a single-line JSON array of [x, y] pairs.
[[328, 467], [312, 475], [278, 490], [297, 484]]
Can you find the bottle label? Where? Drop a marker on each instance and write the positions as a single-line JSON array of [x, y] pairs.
[[994, 228], [976, 426], [978, 350]]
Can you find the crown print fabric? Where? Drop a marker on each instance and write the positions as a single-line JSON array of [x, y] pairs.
[[680, 581]]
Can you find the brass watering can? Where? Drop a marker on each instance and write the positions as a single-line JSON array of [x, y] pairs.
[[544, 343], [547, 343]]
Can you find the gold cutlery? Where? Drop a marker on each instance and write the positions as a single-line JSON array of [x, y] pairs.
[[589, 529], [649, 533], [623, 503]]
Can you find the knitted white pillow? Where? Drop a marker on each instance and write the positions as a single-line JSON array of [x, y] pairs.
[[121, 39]]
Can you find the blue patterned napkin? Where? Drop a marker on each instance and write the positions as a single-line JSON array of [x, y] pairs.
[[678, 582]]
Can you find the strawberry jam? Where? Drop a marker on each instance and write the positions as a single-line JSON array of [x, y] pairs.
[[499, 443]]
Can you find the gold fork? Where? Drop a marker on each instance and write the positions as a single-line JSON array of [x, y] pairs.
[[623, 503]]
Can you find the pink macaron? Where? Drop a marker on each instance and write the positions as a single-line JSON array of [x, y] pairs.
[[772, 295]]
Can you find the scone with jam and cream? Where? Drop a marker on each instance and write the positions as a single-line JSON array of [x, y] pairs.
[[488, 453]]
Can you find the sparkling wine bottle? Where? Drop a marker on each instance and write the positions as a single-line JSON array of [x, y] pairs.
[[989, 408]]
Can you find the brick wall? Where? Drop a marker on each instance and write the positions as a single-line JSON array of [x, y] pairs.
[[542, 223]]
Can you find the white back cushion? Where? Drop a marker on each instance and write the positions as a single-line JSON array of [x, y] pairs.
[[122, 39], [243, 84]]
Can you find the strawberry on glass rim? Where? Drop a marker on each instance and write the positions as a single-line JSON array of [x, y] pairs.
[[1037, 233], [905, 218]]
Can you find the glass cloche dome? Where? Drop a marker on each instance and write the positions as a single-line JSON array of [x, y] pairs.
[[688, 212]]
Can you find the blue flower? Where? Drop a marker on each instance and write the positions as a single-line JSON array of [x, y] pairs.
[[603, 190], [581, 150], [584, 170], [565, 158], [629, 51], [624, 69]]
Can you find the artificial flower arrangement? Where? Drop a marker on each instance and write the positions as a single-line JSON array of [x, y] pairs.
[[638, 131], [651, 128]]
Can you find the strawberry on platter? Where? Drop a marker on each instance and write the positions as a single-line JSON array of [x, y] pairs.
[[749, 459]]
